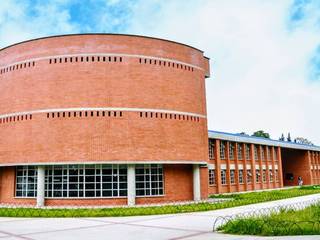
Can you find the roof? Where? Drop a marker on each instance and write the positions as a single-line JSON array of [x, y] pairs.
[[237, 137], [105, 34]]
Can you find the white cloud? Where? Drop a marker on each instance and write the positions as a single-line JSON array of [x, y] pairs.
[[49, 17], [259, 64]]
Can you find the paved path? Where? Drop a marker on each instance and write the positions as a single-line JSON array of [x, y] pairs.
[[176, 226]]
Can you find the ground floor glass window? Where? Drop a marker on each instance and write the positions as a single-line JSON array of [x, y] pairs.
[[149, 180], [26, 181], [223, 177], [232, 177], [249, 176], [86, 181], [241, 176], [212, 177], [257, 175]]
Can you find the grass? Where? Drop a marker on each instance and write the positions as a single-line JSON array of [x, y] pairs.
[[287, 222], [235, 200]]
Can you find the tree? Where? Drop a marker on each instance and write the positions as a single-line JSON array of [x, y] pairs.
[[282, 137], [261, 133], [302, 140], [289, 138], [243, 133]]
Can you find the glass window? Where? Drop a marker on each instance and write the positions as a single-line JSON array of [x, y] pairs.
[[257, 175], [249, 176], [86, 181], [239, 151], [240, 176], [268, 153], [211, 149], [276, 176], [222, 150], [264, 175], [231, 150], [212, 177], [149, 180], [270, 175], [232, 176], [263, 157], [223, 177], [248, 152], [26, 181], [275, 153], [256, 152]]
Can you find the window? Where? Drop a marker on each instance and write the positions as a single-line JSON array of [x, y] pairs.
[[241, 176], [26, 181], [212, 177], [223, 177], [248, 153], [268, 153], [239, 151], [264, 175], [270, 175], [249, 176], [149, 180], [231, 150], [232, 176], [255, 152], [257, 175], [211, 149], [275, 154], [78, 181], [263, 157], [222, 150], [276, 176]]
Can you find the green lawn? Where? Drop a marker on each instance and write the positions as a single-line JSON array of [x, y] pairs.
[[235, 200], [287, 222]]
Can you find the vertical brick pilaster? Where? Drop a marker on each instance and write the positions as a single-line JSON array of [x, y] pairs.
[[237, 166], [228, 166], [309, 155], [273, 166], [267, 165], [218, 165], [245, 172], [280, 170], [260, 162], [253, 167]]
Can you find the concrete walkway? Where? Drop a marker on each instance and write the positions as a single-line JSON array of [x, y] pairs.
[[176, 226]]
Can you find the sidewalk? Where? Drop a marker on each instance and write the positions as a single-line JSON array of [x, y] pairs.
[[174, 226]]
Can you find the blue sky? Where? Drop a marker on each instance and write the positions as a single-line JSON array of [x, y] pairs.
[[265, 55]]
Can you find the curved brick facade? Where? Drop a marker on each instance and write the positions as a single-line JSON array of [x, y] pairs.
[[110, 98]]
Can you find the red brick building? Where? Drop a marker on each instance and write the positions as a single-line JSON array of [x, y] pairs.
[[121, 119]]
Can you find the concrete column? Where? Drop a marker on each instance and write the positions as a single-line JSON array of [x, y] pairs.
[[131, 172], [40, 186], [196, 183]]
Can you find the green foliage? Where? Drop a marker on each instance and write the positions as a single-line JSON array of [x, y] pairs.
[[261, 133], [233, 200], [286, 222]]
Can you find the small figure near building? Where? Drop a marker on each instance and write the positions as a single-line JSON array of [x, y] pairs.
[[300, 181]]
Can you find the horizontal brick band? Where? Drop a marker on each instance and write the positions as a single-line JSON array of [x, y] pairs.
[[102, 55], [101, 109]]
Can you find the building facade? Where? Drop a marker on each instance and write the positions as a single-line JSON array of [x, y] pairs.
[[103, 119], [244, 163]]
